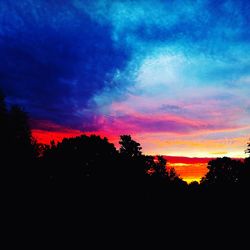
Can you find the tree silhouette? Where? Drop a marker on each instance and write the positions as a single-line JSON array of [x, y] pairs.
[[160, 166], [143, 174], [193, 186], [132, 161], [223, 171], [21, 138], [4, 140], [3, 123], [18, 148], [80, 158], [3, 110], [156, 166], [19, 126], [245, 173], [248, 149], [129, 148], [97, 168], [23, 147]]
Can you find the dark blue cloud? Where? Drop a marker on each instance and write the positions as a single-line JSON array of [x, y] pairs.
[[65, 61], [54, 58]]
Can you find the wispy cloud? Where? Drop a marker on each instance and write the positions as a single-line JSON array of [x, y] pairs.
[[175, 68]]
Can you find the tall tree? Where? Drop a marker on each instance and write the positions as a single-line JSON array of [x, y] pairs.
[[134, 166], [22, 147], [3, 120], [21, 136], [18, 149], [4, 138], [245, 173], [3, 109]]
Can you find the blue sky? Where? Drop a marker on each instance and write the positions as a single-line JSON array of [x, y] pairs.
[[174, 74]]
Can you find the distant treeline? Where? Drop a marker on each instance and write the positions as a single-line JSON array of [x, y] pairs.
[[94, 166]]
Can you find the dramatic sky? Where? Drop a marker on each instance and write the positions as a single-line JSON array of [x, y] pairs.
[[173, 74]]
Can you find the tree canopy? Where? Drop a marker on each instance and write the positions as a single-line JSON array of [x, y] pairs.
[[223, 171], [129, 147], [95, 164]]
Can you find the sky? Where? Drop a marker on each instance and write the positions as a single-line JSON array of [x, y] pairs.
[[173, 74]]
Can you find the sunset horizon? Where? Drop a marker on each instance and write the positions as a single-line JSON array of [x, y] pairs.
[[190, 169], [175, 75]]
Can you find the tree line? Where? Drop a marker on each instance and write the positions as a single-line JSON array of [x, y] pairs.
[[94, 166]]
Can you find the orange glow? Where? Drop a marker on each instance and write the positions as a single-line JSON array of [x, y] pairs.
[[46, 137], [190, 172], [189, 169], [192, 146]]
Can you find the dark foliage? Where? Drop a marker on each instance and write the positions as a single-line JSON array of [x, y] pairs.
[[88, 182], [248, 149], [223, 171], [18, 148], [93, 170]]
